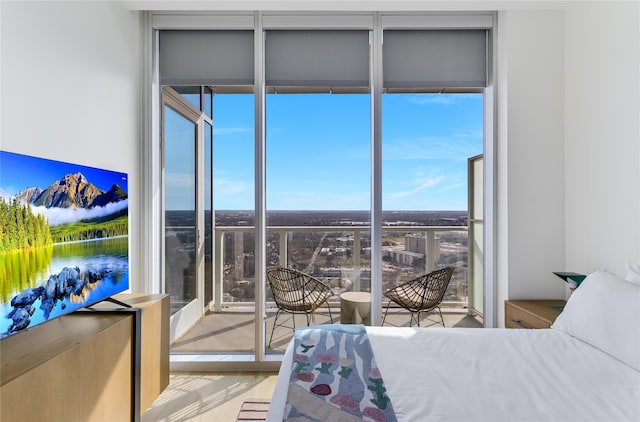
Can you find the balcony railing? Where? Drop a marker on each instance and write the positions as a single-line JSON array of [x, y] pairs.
[[340, 256]]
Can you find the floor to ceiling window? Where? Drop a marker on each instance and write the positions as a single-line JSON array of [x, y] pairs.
[[318, 208], [286, 150], [232, 308], [427, 141], [317, 166], [226, 260], [432, 124]]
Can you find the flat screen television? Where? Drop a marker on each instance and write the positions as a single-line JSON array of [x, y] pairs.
[[64, 237]]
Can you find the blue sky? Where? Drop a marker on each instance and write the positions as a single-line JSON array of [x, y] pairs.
[[318, 151], [18, 172]]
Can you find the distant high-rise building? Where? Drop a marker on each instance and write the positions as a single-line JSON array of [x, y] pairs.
[[415, 243]]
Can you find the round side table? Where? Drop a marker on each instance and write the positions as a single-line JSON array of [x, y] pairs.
[[355, 308]]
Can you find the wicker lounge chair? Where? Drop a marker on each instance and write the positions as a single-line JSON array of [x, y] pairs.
[[421, 294], [296, 292]]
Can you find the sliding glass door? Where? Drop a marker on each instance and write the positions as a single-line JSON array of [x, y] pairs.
[[186, 172]]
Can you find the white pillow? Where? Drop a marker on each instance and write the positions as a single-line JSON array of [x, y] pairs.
[[605, 313], [633, 274]]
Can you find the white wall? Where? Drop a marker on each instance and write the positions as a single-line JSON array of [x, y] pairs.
[[530, 211], [568, 145], [602, 133], [70, 89]]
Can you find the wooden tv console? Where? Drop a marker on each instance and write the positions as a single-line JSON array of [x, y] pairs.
[[82, 366]]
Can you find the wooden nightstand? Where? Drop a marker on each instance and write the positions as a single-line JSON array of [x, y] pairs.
[[531, 313]]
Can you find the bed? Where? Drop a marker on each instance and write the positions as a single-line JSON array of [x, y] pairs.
[[585, 368]]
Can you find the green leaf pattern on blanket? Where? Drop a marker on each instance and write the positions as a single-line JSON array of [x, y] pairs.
[[381, 399]]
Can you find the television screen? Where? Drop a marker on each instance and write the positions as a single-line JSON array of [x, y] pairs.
[[64, 237]]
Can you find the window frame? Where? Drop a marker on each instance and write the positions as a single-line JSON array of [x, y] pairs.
[[258, 21]]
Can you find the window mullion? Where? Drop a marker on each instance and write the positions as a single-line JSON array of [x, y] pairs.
[[260, 192], [375, 70]]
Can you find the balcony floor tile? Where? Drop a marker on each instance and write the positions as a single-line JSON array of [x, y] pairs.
[[233, 331]]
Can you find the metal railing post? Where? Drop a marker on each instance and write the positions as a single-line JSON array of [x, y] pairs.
[[218, 274], [356, 260], [284, 253]]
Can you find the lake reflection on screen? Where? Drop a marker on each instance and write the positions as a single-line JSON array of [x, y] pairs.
[[109, 254]]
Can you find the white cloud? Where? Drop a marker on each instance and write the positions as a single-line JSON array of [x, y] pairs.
[[430, 148], [454, 185], [420, 185], [229, 187], [57, 216]]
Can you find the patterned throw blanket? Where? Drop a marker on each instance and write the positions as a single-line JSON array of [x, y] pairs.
[[334, 377]]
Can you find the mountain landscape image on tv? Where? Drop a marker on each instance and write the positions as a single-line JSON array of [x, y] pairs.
[[63, 238]]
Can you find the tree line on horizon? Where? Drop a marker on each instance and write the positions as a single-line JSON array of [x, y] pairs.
[[87, 231]]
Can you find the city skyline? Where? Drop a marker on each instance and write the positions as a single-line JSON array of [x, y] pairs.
[[322, 218]]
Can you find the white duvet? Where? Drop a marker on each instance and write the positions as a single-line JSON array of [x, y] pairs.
[[457, 374]]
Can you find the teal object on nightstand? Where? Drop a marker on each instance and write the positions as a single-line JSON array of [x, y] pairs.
[[571, 277]]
